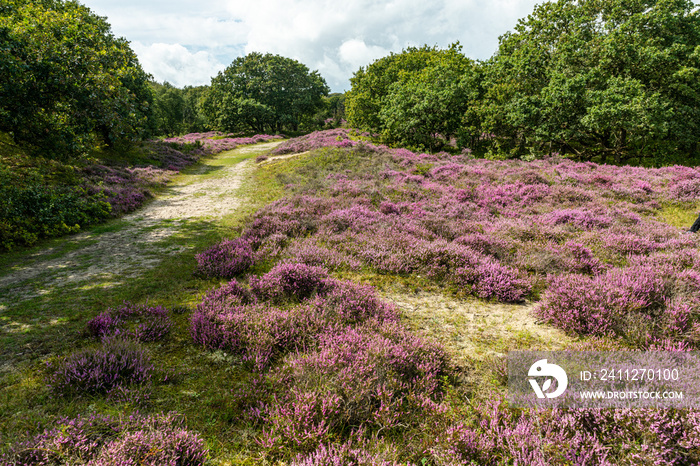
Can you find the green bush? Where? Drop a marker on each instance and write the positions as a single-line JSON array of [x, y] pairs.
[[30, 213]]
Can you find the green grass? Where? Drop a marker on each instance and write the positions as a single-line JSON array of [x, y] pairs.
[[50, 326], [681, 216]]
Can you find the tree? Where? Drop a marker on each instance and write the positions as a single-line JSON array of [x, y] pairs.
[[194, 120], [65, 80], [426, 108], [612, 79], [416, 98], [168, 109], [178, 111], [372, 84], [263, 92]]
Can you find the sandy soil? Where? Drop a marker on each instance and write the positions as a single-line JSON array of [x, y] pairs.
[[474, 330], [109, 258]]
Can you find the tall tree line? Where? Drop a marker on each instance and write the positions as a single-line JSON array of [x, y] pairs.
[[605, 80]]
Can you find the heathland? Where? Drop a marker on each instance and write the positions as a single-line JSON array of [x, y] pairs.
[[344, 286]]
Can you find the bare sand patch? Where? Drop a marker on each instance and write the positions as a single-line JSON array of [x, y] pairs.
[[472, 330]]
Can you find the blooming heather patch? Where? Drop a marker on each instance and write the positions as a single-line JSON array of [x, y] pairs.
[[104, 440], [114, 365], [495, 229], [641, 303], [331, 354], [290, 281], [375, 375], [285, 310], [143, 323], [344, 454], [332, 364], [339, 137], [226, 259], [214, 142], [497, 435], [127, 188]]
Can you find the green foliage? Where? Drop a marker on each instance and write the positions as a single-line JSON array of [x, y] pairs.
[[169, 109], [371, 85], [417, 98], [177, 111], [609, 79], [263, 92], [426, 108], [65, 79], [331, 114], [33, 212], [193, 120]]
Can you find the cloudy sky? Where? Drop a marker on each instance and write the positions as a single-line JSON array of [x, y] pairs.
[[187, 42]]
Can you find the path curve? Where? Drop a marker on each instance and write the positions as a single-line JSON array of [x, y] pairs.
[[111, 257]]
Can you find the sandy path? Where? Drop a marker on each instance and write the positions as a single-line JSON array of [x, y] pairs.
[[109, 258]]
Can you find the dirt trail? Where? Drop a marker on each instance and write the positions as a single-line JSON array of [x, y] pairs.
[[138, 244]]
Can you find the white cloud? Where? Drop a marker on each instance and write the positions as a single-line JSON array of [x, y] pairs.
[[356, 32], [334, 38], [177, 65], [356, 53]]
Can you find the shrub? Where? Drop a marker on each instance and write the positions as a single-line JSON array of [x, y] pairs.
[[341, 455], [501, 282], [226, 259], [290, 281], [348, 303], [639, 303], [231, 318], [498, 433], [30, 213], [171, 447], [376, 375], [205, 328], [258, 332], [143, 323], [312, 254], [115, 364], [104, 440]]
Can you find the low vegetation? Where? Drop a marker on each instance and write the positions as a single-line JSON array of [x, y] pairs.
[[316, 368], [261, 336], [37, 204]]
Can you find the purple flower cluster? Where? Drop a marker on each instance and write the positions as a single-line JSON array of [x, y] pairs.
[[377, 375], [114, 365], [333, 355], [641, 303], [226, 259], [495, 229], [341, 455], [139, 322], [124, 188], [127, 188], [214, 142], [339, 137], [284, 310], [104, 440], [497, 435], [290, 281]]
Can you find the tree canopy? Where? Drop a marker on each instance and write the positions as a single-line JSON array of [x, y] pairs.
[[65, 80], [616, 79], [264, 92], [416, 98]]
